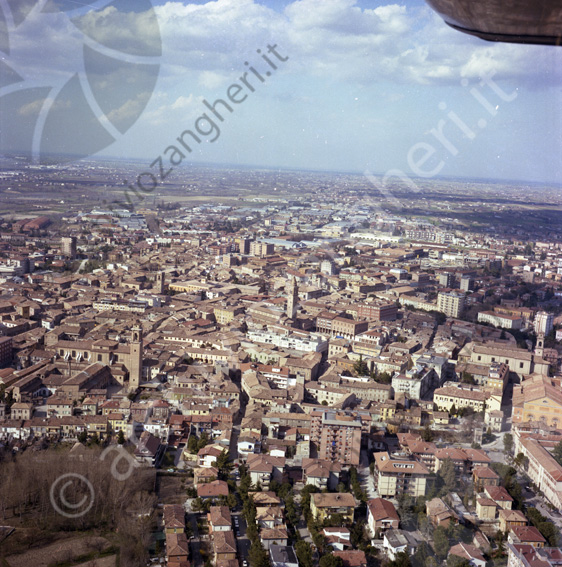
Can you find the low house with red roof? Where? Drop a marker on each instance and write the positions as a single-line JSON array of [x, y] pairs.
[[439, 513], [486, 508], [214, 489], [269, 516], [274, 536], [526, 534], [484, 476], [320, 473], [266, 499], [177, 550], [224, 545], [469, 552], [500, 496], [174, 519], [337, 538], [208, 455], [219, 519], [204, 475], [352, 558], [511, 519], [381, 515]]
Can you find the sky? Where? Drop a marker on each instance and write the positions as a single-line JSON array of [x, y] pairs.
[[352, 86]]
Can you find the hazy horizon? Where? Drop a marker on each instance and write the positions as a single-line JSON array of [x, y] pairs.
[[345, 85]]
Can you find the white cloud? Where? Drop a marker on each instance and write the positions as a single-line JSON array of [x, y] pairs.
[[129, 110], [332, 39], [212, 80], [181, 110], [338, 40]]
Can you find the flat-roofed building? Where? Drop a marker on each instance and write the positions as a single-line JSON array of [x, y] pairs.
[[340, 438], [451, 303], [378, 311]]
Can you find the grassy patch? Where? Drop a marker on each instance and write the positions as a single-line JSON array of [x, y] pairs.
[[85, 557]]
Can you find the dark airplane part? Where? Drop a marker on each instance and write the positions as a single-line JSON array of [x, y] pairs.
[[511, 21]]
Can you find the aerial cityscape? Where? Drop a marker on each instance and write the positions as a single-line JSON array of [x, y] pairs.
[[322, 328], [281, 367]]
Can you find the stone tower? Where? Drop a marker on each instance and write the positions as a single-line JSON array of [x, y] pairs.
[[160, 283], [292, 299], [135, 358]]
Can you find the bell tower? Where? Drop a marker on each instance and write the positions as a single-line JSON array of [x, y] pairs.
[[539, 349], [292, 299], [160, 283], [135, 358]]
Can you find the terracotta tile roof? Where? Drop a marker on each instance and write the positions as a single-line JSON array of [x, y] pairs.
[[333, 500], [382, 509]]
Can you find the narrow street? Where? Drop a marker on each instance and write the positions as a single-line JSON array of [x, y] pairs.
[[366, 478], [195, 541]]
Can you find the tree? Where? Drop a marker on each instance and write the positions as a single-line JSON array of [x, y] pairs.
[[508, 442], [401, 559], [291, 510], [456, 561], [192, 444], [358, 534], [467, 378], [203, 441], [224, 465], [360, 367], [304, 553], [384, 378], [453, 410], [121, 437], [521, 461], [557, 453], [198, 505], [405, 510], [330, 560], [257, 555], [547, 529], [427, 434], [441, 542], [447, 476], [422, 553]]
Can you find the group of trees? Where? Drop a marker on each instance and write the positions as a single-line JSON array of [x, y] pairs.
[[6, 397], [31, 484], [547, 529], [223, 464], [412, 515], [557, 453], [382, 377], [356, 488], [508, 443], [446, 479], [360, 367], [195, 443], [508, 477], [257, 555]]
